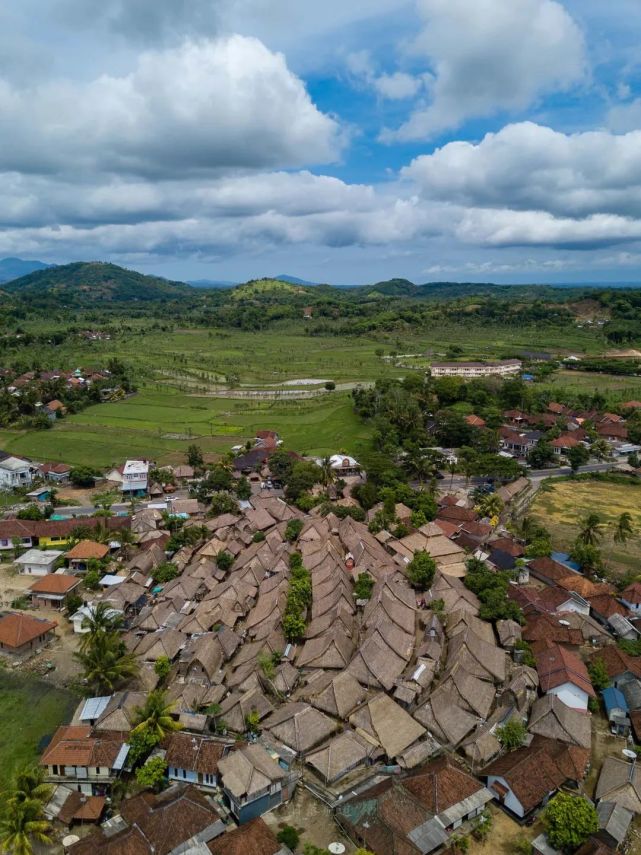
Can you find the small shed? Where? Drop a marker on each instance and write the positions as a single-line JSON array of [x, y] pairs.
[[616, 708]]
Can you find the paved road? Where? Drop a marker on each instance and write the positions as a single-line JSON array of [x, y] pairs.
[[560, 471]]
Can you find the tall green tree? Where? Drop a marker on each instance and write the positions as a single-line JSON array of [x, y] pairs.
[[569, 821]]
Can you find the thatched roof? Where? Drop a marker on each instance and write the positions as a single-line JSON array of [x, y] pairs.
[[341, 755], [248, 771], [551, 718], [339, 697], [387, 724], [300, 727]]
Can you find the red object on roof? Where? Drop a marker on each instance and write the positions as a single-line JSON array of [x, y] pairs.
[[17, 629], [475, 421]]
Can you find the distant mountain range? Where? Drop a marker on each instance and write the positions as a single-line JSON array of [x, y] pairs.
[[13, 268]]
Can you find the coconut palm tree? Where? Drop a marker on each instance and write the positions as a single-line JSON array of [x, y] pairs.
[[126, 538], [490, 506], [327, 472], [29, 785], [591, 530], [623, 528], [155, 716], [103, 619], [21, 824], [106, 663]]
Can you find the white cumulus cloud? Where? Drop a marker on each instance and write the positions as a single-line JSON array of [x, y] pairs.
[[489, 56]]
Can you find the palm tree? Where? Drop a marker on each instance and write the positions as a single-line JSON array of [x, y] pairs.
[[327, 473], [590, 532], [490, 506], [106, 663], [29, 785], [126, 539], [623, 529], [451, 468], [102, 619], [21, 824], [155, 716]]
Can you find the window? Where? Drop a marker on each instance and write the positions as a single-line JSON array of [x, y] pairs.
[[97, 770], [184, 773]]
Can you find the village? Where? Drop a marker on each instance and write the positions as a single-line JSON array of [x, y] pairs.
[[421, 682]]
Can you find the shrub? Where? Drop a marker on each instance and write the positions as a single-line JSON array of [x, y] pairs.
[[512, 734], [92, 580], [162, 666], [224, 560], [293, 530], [164, 573], [288, 836], [258, 537], [363, 586], [152, 773]]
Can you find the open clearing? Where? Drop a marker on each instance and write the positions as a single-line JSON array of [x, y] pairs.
[[615, 386], [106, 434], [21, 734], [560, 505]]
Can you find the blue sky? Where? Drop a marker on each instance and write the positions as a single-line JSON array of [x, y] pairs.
[[492, 140]]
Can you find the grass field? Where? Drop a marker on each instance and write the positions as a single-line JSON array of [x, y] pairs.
[[560, 504], [616, 387], [30, 710], [148, 423], [179, 372]]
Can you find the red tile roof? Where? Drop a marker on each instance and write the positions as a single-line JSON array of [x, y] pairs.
[[73, 745], [557, 665], [55, 583], [606, 605], [253, 838], [87, 549], [547, 627], [530, 774], [17, 629], [632, 594], [617, 662]]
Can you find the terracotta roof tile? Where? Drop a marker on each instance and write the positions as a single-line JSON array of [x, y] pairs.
[[17, 629], [54, 583]]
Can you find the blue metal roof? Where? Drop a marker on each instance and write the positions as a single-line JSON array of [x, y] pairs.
[[614, 699], [564, 558]]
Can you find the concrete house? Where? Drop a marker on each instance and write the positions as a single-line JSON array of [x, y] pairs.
[[631, 598], [193, 759], [38, 562], [91, 764], [22, 634], [15, 472], [135, 477], [51, 592], [563, 674], [253, 782]]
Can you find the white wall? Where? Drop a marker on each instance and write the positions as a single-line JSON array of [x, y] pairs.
[[571, 696], [511, 802]]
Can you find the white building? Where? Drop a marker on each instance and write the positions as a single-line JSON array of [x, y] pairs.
[[85, 612], [502, 368], [37, 562], [15, 472], [135, 476]]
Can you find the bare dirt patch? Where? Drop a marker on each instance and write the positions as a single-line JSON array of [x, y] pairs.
[[310, 817]]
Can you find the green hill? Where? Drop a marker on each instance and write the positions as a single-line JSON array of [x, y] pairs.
[[267, 288], [95, 281], [392, 288]]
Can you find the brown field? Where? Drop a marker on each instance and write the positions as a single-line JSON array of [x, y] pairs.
[[560, 505]]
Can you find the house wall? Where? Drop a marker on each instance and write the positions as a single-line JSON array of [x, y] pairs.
[[572, 606], [51, 602], [187, 775], [571, 696], [5, 542], [511, 802], [36, 569], [54, 540], [257, 807], [30, 646], [16, 478]]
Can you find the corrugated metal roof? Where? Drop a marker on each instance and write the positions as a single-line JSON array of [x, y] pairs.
[[119, 762], [94, 708], [614, 819], [428, 836]]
